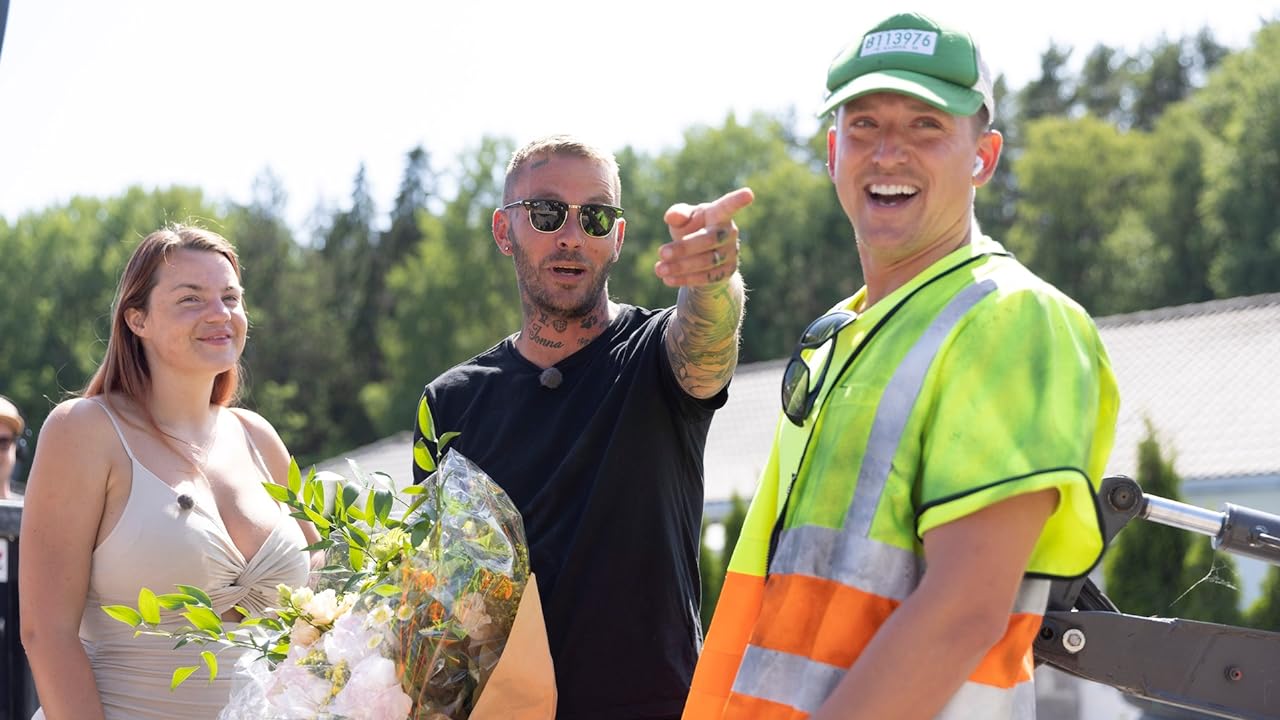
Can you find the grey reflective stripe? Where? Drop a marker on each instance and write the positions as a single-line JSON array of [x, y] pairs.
[[849, 556], [896, 404], [1033, 597], [975, 701], [858, 562], [805, 684], [786, 679]]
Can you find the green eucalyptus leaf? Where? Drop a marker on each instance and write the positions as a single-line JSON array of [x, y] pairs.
[[355, 512], [175, 601], [425, 423], [180, 676], [211, 662], [321, 545], [387, 590], [422, 456], [382, 502], [445, 438], [413, 490], [124, 614], [357, 536], [357, 556], [419, 533], [201, 596], [204, 619], [309, 490], [279, 493], [317, 518], [295, 477], [350, 494], [148, 606]]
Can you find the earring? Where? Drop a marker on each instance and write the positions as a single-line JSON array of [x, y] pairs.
[[978, 165]]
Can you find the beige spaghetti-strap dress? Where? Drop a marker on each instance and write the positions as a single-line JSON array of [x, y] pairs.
[[157, 544]]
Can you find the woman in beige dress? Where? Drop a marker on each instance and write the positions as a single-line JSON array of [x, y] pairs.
[[149, 480]]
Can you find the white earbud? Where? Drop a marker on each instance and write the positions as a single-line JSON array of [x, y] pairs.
[[978, 166]]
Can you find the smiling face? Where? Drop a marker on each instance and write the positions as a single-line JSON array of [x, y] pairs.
[[194, 322], [564, 273], [904, 173]]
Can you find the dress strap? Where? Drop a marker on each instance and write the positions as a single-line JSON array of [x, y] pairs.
[[253, 448], [119, 433]]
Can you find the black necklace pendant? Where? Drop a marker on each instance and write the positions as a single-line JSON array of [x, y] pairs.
[[186, 502]]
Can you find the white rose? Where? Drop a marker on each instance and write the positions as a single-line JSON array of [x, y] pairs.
[[322, 608], [301, 597]]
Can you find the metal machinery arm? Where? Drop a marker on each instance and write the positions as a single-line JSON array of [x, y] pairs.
[[1220, 670]]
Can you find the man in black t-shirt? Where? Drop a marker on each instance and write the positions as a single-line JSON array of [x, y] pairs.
[[593, 418]]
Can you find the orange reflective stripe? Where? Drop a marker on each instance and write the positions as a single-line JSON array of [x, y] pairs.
[[819, 619], [1010, 661], [735, 615], [744, 707]]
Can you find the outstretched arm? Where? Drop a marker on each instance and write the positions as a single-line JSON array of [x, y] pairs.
[[702, 260]]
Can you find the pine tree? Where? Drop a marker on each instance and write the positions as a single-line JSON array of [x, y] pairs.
[[733, 525], [1144, 567], [1264, 614], [1210, 586], [711, 572]]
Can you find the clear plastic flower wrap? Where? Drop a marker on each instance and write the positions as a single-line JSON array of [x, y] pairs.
[[407, 621]]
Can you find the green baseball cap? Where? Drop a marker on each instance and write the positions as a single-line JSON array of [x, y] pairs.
[[911, 55]]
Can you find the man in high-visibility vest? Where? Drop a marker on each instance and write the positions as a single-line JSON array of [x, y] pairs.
[[944, 431]]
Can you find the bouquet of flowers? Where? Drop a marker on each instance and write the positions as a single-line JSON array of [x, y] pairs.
[[409, 619]]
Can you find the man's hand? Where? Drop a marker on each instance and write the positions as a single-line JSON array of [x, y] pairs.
[[704, 241], [702, 260]]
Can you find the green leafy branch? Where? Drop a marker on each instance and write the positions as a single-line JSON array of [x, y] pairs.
[[365, 542]]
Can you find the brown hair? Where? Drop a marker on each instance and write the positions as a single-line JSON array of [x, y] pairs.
[[124, 370], [565, 145]]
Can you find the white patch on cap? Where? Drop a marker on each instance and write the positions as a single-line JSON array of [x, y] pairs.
[[920, 42]]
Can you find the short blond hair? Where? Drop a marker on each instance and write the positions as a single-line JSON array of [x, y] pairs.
[[565, 145]]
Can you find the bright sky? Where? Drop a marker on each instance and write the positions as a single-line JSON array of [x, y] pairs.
[[95, 96]]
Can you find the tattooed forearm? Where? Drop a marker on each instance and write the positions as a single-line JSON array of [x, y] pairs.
[[702, 339]]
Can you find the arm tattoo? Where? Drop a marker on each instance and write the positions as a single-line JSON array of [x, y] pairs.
[[702, 338]]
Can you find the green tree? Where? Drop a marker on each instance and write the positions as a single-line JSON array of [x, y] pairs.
[[1264, 613], [1173, 208], [1144, 566], [733, 525], [1050, 95], [711, 573], [1212, 586], [1077, 181], [1103, 81], [288, 372], [455, 295], [1242, 103], [1165, 81], [350, 271]]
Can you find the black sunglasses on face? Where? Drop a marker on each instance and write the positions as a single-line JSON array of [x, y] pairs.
[[798, 394], [548, 216]]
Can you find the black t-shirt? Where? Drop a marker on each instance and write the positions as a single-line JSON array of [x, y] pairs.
[[606, 470]]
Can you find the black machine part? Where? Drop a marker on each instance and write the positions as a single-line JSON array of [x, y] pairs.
[[1218, 670]]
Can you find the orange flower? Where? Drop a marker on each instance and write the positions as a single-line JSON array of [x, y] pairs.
[[435, 611], [504, 588]]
